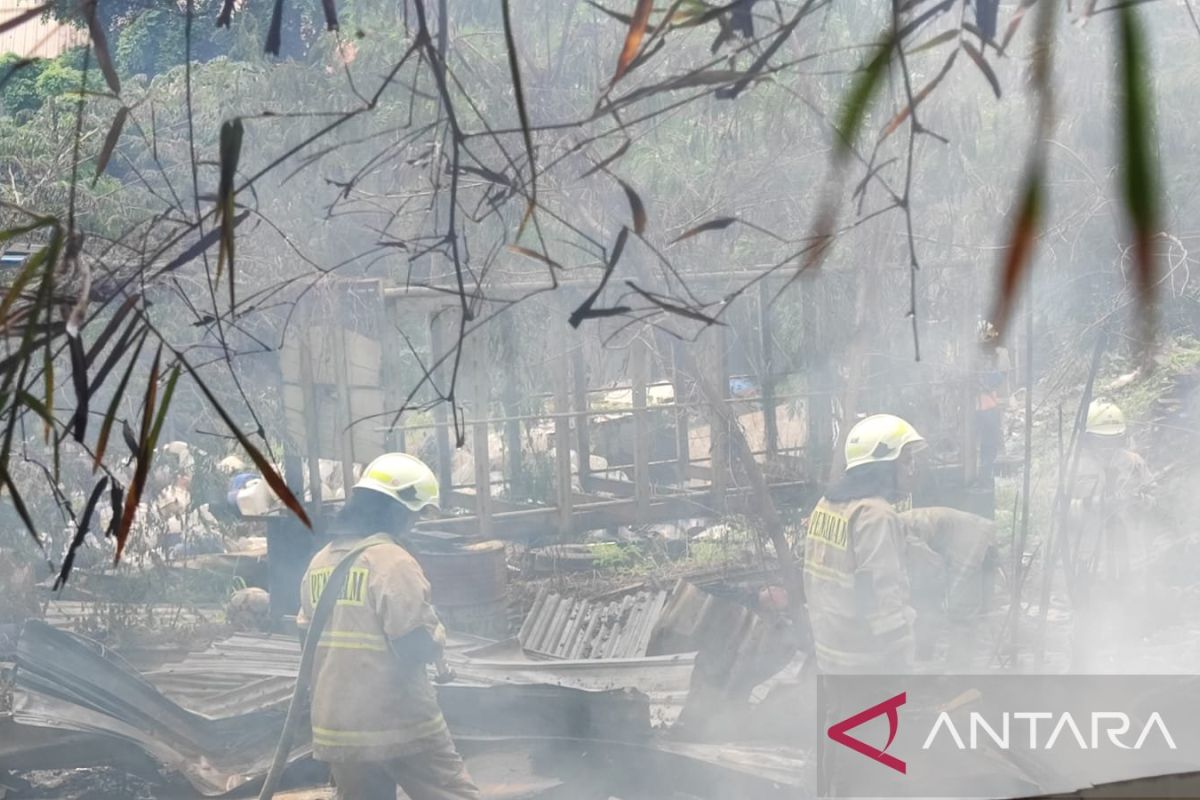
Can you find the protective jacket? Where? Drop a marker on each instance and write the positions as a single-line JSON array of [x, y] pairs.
[[856, 586], [371, 699], [1105, 513], [960, 543], [950, 560]]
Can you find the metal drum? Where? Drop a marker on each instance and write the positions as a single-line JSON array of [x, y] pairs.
[[470, 588]]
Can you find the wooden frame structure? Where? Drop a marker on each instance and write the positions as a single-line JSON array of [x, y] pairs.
[[633, 492]]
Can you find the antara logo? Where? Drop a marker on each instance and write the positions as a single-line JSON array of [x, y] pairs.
[[838, 731], [1114, 724]]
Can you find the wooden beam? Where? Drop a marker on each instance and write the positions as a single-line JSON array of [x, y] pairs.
[[682, 442], [481, 450], [441, 433], [543, 523], [639, 368], [312, 431], [767, 377], [720, 419], [583, 442], [341, 357], [562, 440]]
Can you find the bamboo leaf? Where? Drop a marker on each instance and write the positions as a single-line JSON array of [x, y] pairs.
[[672, 308], [36, 405], [585, 309], [118, 352], [21, 509], [79, 379], [110, 328], [535, 255], [265, 467], [636, 208], [14, 290], [983, 65], [918, 98], [117, 503], [25, 16], [624, 19], [145, 455], [854, 108], [718, 224], [331, 15], [1018, 255], [620, 151], [83, 269], [633, 38], [206, 241], [275, 31], [81, 531], [937, 41], [8, 234], [131, 439], [100, 45], [114, 403], [1139, 165], [1015, 23], [110, 142], [231, 151], [168, 392], [514, 68]]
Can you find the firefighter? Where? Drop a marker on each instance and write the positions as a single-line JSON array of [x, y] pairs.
[[1108, 498], [375, 715], [1110, 485], [951, 563], [855, 572], [991, 394]]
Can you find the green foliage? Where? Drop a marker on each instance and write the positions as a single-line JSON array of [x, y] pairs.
[[28, 88], [20, 92], [58, 79], [151, 43], [615, 556]]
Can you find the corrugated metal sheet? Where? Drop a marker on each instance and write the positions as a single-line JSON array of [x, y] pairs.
[[562, 626], [244, 673]]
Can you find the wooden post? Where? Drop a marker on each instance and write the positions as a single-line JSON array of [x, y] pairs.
[[312, 430], [341, 371], [720, 419], [583, 441], [683, 443], [441, 431], [767, 378], [562, 439], [480, 448], [641, 445]]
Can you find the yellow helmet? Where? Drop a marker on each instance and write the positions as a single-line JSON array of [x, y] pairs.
[[1105, 419], [403, 478], [880, 437], [987, 331]]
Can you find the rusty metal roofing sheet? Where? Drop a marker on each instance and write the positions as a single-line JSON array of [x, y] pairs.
[[562, 626], [64, 681]]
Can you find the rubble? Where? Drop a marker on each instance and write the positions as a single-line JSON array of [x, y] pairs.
[[533, 727]]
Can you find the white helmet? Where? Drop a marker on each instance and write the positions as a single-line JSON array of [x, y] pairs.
[[1105, 419], [403, 478], [880, 437]]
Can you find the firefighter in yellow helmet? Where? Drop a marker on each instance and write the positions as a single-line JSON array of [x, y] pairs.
[[375, 715], [1110, 482], [855, 574], [1107, 538]]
